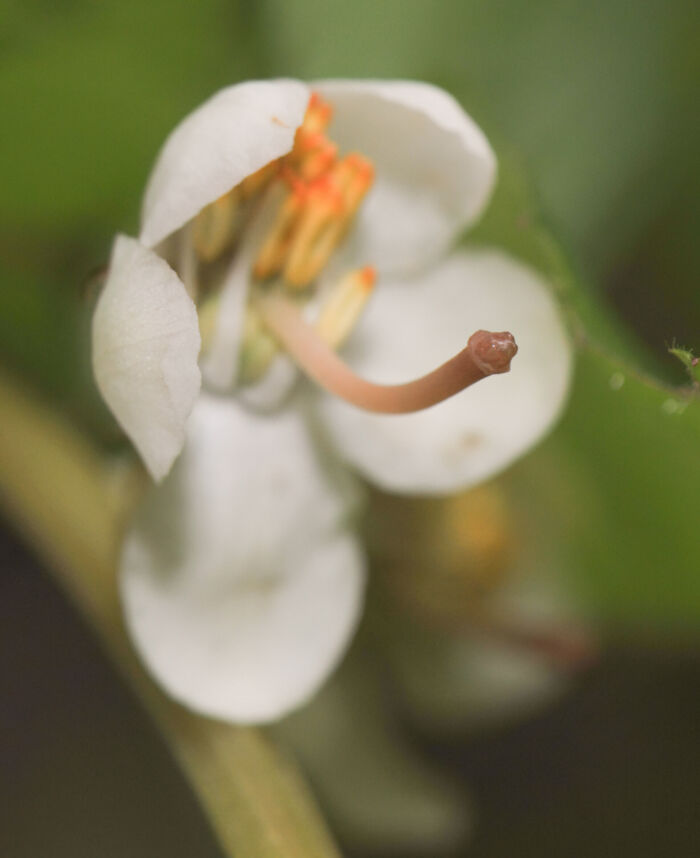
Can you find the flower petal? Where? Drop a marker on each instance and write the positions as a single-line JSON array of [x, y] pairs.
[[434, 168], [242, 582], [233, 134], [410, 328], [145, 343]]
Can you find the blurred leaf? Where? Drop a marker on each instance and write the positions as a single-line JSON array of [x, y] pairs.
[[89, 95], [613, 497]]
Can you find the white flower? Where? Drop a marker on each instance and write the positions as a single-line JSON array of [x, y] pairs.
[[241, 576]]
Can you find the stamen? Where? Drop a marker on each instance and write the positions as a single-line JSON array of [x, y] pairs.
[[318, 158], [340, 313], [323, 204], [253, 184], [330, 206], [276, 245], [318, 115], [215, 226], [485, 354]]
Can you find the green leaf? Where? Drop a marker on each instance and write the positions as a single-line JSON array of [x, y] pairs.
[[618, 488], [88, 99]]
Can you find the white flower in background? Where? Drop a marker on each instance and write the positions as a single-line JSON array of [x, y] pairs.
[[242, 579]]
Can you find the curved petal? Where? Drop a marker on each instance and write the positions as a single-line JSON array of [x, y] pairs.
[[412, 327], [233, 134], [434, 168], [145, 343], [241, 580]]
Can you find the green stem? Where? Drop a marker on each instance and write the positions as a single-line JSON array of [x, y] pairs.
[[57, 490]]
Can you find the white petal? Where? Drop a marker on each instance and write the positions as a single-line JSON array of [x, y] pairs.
[[145, 343], [413, 327], [233, 134], [241, 580], [434, 168]]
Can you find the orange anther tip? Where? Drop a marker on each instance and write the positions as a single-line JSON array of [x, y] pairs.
[[368, 275], [322, 185], [311, 139], [317, 104]]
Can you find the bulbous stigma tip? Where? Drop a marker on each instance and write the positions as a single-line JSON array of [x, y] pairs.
[[492, 352]]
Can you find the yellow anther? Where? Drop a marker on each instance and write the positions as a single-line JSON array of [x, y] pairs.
[[273, 253], [359, 175], [309, 249], [215, 226], [340, 313], [329, 208], [316, 158], [318, 115], [254, 183]]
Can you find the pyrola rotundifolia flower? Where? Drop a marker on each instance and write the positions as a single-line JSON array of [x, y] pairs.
[[271, 213]]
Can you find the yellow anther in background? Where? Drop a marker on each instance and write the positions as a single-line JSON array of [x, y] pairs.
[[254, 183], [341, 312], [274, 250], [215, 226]]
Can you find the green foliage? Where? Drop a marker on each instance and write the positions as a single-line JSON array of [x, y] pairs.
[[611, 499]]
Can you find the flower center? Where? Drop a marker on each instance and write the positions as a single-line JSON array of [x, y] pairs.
[[275, 233], [308, 200]]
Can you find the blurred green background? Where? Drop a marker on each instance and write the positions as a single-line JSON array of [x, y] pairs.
[[592, 108]]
